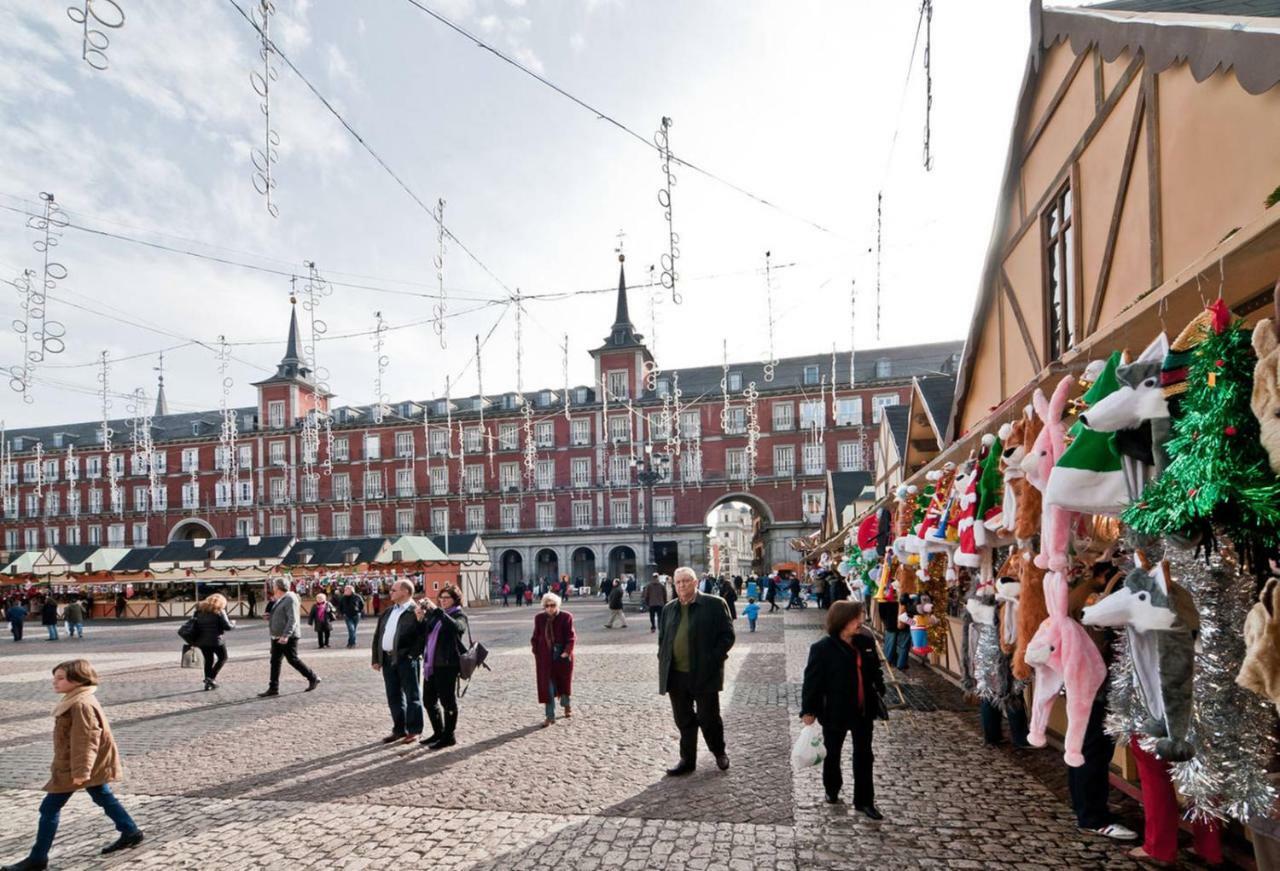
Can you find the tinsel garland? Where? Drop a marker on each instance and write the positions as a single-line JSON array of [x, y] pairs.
[[936, 588], [1231, 727], [991, 679], [1125, 708]]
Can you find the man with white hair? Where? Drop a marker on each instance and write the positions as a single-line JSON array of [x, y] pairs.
[[398, 643], [285, 627], [695, 634]]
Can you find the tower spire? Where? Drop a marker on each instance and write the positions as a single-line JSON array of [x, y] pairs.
[[291, 364], [162, 405]]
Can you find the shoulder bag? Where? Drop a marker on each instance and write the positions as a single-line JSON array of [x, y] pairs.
[[469, 661]]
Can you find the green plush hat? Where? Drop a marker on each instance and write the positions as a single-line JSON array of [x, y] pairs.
[[1088, 477]]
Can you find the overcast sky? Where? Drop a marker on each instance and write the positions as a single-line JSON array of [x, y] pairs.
[[796, 102]]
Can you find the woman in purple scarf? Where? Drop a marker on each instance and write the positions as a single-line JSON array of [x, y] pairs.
[[446, 630]]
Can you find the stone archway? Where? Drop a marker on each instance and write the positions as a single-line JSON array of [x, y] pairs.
[[622, 561], [582, 565], [762, 520], [512, 564], [547, 565], [191, 528]]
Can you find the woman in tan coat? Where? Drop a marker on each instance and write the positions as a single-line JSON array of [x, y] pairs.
[[84, 757]]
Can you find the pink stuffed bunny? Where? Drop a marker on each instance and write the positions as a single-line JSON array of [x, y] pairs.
[[1062, 654], [1055, 524]]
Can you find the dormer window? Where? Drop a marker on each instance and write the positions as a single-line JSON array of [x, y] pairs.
[[581, 396], [883, 368], [811, 374], [662, 387], [735, 381], [616, 384]]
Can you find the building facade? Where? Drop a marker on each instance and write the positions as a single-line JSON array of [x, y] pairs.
[[729, 542], [553, 482]]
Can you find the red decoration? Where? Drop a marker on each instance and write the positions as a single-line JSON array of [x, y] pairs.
[[1221, 315], [1219, 362], [1229, 430], [1193, 491]]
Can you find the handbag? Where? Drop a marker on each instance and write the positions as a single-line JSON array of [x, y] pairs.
[[881, 710], [188, 630], [190, 657], [471, 659]]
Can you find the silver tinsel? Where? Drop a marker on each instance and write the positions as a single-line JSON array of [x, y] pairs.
[[1231, 728], [988, 659], [1125, 710]]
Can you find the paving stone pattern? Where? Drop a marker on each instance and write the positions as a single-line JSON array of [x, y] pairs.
[[223, 779]]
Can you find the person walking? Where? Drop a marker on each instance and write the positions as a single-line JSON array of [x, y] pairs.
[[49, 618], [730, 596], [73, 615], [85, 757], [616, 606], [654, 597], [446, 626], [351, 606], [506, 594], [552, 643], [211, 622], [253, 603], [771, 594], [121, 605], [842, 685], [398, 643], [793, 587], [752, 613], [321, 617], [284, 625], [16, 615], [694, 638]]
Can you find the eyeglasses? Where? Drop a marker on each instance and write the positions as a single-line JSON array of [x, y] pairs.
[[549, 605]]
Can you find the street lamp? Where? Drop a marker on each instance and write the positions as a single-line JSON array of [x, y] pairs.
[[650, 469]]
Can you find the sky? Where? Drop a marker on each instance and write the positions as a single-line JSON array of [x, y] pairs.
[[806, 104]]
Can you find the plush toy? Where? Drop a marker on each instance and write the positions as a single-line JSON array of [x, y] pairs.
[[1266, 383], [989, 512], [1088, 477], [1161, 625], [1260, 671], [1063, 656], [1032, 610], [1027, 520], [868, 536], [978, 634], [1008, 591], [935, 513], [966, 517], [920, 626], [1055, 523]]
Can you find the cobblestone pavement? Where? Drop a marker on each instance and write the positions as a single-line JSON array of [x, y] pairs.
[[223, 779]]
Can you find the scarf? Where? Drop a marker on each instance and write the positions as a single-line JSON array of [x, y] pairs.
[[549, 627], [429, 666], [69, 699]]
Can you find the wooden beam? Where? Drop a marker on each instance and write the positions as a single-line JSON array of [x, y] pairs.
[[1020, 320], [1117, 212], [1151, 92], [1099, 89], [1054, 102], [1091, 131], [1077, 250], [1000, 337]]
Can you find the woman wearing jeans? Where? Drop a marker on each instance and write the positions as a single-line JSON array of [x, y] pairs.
[[552, 643]]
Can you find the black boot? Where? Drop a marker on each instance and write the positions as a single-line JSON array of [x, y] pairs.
[[447, 739], [27, 864], [437, 728]]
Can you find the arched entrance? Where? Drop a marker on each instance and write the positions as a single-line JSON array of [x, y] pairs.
[[622, 561], [737, 544], [583, 566], [512, 568], [191, 528], [548, 565]]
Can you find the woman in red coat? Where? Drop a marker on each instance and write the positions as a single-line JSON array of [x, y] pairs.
[[552, 644]]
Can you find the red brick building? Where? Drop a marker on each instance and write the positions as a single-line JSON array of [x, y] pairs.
[[552, 491]]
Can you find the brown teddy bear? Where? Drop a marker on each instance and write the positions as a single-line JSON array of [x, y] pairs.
[[1266, 383], [1032, 610], [1260, 671]]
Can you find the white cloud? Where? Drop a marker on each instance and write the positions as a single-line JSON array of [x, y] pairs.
[[339, 67], [489, 23], [577, 42], [526, 56], [517, 4]]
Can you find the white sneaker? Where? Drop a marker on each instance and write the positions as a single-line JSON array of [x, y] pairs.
[[1115, 832]]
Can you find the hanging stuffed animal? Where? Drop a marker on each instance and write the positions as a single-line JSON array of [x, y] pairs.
[[1032, 610], [1088, 477], [978, 631], [1055, 523], [1161, 625], [1008, 592], [1010, 471], [1260, 671], [1266, 382], [1027, 520], [989, 512], [1063, 656], [967, 517]]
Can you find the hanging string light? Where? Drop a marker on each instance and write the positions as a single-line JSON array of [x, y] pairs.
[[92, 15], [879, 237], [20, 375], [485, 437], [440, 309], [927, 12], [38, 334], [674, 435], [228, 434], [753, 430], [315, 290], [564, 349], [6, 459], [853, 330], [265, 157], [380, 407], [724, 385], [771, 359], [73, 478], [39, 458], [669, 275], [833, 380]]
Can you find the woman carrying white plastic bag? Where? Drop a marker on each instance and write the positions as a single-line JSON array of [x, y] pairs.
[[809, 750]]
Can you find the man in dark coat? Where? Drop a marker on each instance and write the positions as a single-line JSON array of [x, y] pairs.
[[694, 638], [351, 607], [398, 643], [15, 615], [616, 606], [654, 597], [49, 618]]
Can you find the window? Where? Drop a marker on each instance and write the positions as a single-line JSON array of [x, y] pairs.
[[341, 525], [244, 492], [117, 465], [509, 477], [276, 524], [275, 414], [620, 471], [190, 495], [617, 384], [310, 526], [404, 444], [221, 494], [815, 502], [51, 536], [690, 424], [473, 439], [160, 462], [373, 484], [735, 422], [311, 488], [404, 521], [510, 518], [784, 416], [546, 515], [137, 464], [880, 402], [50, 471], [33, 505], [244, 526], [620, 511], [849, 411], [278, 493], [620, 428], [71, 466], [342, 449], [95, 536], [92, 468], [544, 435], [545, 474], [341, 487], [812, 414], [1058, 233], [404, 482], [139, 535], [664, 511], [29, 471], [52, 504], [811, 374], [508, 436], [275, 451], [160, 499], [883, 368], [473, 478], [190, 459], [440, 520], [735, 381], [659, 426], [139, 498], [73, 535], [735, 463], [439, 442], [246, 456], [11, 506], [439, 481], [475, 518], [115, 535], [373, 523], [31, 538], [849, 456], [815, 461], [691, 466], [582, 514], [372, 446], [580, 431], [581, 471], [662, 387]]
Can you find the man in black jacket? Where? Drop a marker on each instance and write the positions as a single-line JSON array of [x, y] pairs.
[[352, 608], [694, 638], [398, 643], [616, 606]]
